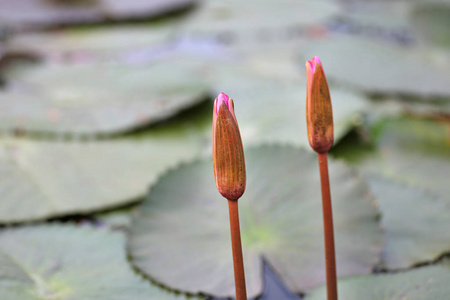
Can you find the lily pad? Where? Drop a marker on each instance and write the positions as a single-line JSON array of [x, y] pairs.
[[47, 179], [240, 23], [382, 68], [375, 18], [391, 106], [272, 108], [271, 114], [93, 44], [183, 225], [425, 283], [97, 99], [41, 13], [413, 151], [416, 223], [66, 262], [432, 21]]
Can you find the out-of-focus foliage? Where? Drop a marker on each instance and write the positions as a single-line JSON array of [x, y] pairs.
[[98, 99], [32, 14], [47, 179], [81, 45], [413, 151], [378, 68]]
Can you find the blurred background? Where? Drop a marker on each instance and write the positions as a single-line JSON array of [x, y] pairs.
[[146, 72], [98, 98]]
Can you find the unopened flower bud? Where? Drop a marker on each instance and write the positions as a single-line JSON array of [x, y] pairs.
[[319, 113], [228, 153]]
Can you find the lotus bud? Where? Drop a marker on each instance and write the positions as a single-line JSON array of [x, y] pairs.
[[319, 113], [228, 153]]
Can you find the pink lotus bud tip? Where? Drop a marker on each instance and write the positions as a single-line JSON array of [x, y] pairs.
[[222, 98], [316, 59], [312, 63]]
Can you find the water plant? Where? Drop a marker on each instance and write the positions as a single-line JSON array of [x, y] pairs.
[[230, 176], [319, 120]]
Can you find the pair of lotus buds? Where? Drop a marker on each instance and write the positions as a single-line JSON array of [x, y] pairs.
[[228, 153]]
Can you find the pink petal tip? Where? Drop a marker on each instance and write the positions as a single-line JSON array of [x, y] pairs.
[[222, 98], [312, 63], [317, 60]]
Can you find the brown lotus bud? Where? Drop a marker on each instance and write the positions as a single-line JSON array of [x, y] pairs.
[[228, 153], [319, 113]]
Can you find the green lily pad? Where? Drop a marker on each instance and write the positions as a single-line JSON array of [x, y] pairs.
[[42, 179], [394, 106], [66, 262], [30, 14], [425, 283], [373, 18], [272, 108], [432, 22], [382, 68], [93, 44], [240, 23], [277, 114], [416, 223], [97, 99], [48, 179], [413, 151], [183, 225]]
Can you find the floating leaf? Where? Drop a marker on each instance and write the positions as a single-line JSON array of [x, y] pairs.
[[432, 22], [269, 115], [390, 106], [240, 23], [413, 151], [183, 225], [47, 179], [93, 44], [425, 283], [65, 262], [272, 110], [416, 223], [383, 68], [97, 99], [43, 179], [375, 19], [31, 13]]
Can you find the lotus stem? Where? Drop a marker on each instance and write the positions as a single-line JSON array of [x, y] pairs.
[[238, 261], [330, 256]]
